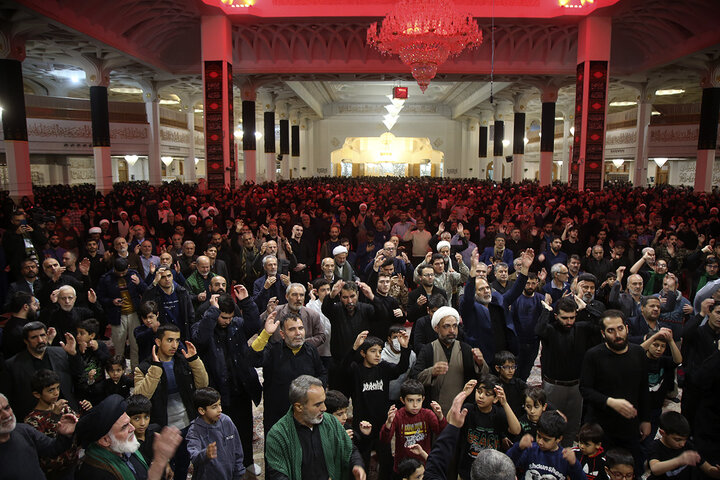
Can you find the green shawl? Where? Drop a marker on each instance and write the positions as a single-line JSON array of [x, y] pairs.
[[284, 453], [104, 459], [650, 286]]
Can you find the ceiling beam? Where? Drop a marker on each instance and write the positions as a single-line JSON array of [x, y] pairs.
[[301, 90], [479, 96]]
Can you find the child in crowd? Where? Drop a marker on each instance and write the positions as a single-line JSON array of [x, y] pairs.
[[138, 409], [486, 423], [545, 458], [411, 469], [506, 366], [661, 376], [412, 426], [673, 456], [534, 406], [391, 354], [371, 380], [619, 464], [213, 441], [94, 355], [337, 405], [145, 334], [49, 409], [117, 381], [592, 458]]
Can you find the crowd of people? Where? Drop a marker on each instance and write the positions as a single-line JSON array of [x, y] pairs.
[[396, 324]]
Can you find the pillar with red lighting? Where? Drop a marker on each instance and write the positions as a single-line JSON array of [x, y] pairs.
[[587, 166], [218, 101]]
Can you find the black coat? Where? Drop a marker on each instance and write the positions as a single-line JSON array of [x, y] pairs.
[[187, 313], [215, 345]]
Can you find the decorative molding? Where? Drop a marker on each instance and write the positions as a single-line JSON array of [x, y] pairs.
[[174, 135], [621, 137]]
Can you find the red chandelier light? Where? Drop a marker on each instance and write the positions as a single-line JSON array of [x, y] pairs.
[[424, 33]]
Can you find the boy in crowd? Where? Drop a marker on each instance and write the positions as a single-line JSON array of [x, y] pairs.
[[337, 405], [50, 408], [117, 381], [486, 423], [371, 379], [411, 469], [619, 464], [145, 333], [138, 409], [661, 375], [545, 458], [391, 354], [94, 355], [213, 441], [514, 388], [534, 406], [412, 426], [592, 458], [673, 456]]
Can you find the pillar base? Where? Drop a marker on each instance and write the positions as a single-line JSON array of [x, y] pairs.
[[704, 170], [518, 167], [17, 153], [250, 166], [103, 169], [270, 167]]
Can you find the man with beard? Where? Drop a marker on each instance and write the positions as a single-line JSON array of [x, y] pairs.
[[627, 302], [23, 307], [37, 355], [166, 261], [218, 286], [21, 444], [564, 343], [222, 341], [315, 333], [417, 299], [64, 316], [188, 259], [597, 263], [445, 365], [29, 281], [386, 306], [304, 255], [198, 283], [55, 278], [327, 270], [271, 285], [647, 323], [526, 311], [553, 254], [619, 407], [95, 257], [283, 362], [343, 269], [589, 308], [309, 443], [121, 251], [111, 449]]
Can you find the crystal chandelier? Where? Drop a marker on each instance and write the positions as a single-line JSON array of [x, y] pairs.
[[424, 33]]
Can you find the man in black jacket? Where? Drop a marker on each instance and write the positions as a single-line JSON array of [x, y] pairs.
[[417, 299], [283, 362], [24, 309], [222, 337], [174, 301], [19, 369], [21, 241]]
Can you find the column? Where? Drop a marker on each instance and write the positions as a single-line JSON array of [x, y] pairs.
[[190, 176], [644, 114], [12, 100], [249, 140], [518, 163], [568, 118], [284, 137], [152, 109], [547, 137], [269, 137], [216, 39], [707, 135], [587, 167], [294, 150], [498, 151], [305, 138]]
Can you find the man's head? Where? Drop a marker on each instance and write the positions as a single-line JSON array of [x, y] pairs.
[[445, 322], [334, 232], [166, 278], [29, 269], [322, 287], [585, 286], [635, 285], [438, 263], [383, 283], [573, 265], [66, 298], [188, 248], [146, 248], [270, 265], [109, 426], [349, 296], [674, 429], [218, 284], [23, 305], [307, 397], [7, 417], [297, 231], [614, 330], [340, 254], [556, 244], [598, 252], [427, 276], [490, 464], [167, 340], [650, 308], [531, 284], [292, 330], [203, 265], [566, 312], [50, 266], [121, 246], [483, 292], [295, 296], [271, 247], [328, 266], [35, 337], [69, 259], [226, 305], [501, 271], [500, 242], [711, 266], [481, 271], [559, 273], [390, 249]]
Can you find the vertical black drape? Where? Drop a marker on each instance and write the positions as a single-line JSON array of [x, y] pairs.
[[498, 138], [284, 137], [248, 116], [519, 134], [483, 143], [100, 116], [295, 133], [709, 112], [269, 136], [547, 127], [12, 99]]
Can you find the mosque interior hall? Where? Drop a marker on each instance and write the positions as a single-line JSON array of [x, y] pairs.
[[220, 92]]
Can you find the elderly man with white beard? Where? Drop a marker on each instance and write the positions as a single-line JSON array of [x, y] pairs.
[[65, 315], [21, 444], [111, 449]]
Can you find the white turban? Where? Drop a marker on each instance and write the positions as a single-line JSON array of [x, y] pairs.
[[338, 250], [442, 244], [443, 312]]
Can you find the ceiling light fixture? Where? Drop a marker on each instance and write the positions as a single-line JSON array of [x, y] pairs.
[[197, 160], [622, 104], [167, 160], [505, 142], [131, 159], [393, 110], [660, 161], [525, 140], [424, 34], [618, 162], [128, 90], [669, 91]]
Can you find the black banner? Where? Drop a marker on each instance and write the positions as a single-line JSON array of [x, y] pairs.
[[498, 139], [547, 126], [12, 99]]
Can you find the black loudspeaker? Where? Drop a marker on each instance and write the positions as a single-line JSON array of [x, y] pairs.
[[279, 157], [509, 158]]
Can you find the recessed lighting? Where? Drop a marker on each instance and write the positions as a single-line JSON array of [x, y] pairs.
[[669, 91], [622, 104], [655, 112], [132, 90], [506, 143], [165, 101]]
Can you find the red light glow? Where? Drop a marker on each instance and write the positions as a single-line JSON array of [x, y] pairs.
[[574, 3]]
